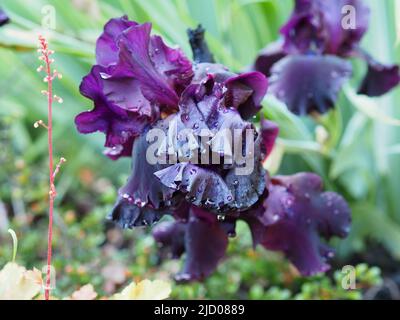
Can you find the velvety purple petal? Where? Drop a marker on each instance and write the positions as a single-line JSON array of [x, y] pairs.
[[200, 109], [129, 215], [245, 93], [271, 54], [269, 133], [181, 212], [120, 124], [307, 83], [171, 235], [135, 61], [318, 25], [106, 46], [248, 188], [340, 40], [379, 79], [297, 213], [142, 187], [303, 29], [205, 246], [171, 62], [201, 187], [4, 19]]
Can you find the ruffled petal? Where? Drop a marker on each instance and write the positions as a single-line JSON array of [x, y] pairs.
[[297, 213], [202, 187], [121, 125], [128, 215], [245, 93], [138, 78], [106, 45], [234, 183], [135, 61], [142, 187], [308, 83]]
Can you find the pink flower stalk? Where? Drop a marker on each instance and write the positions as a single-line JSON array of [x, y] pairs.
[[51, 74]]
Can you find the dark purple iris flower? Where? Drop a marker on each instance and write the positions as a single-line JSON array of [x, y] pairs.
[[146, 96], [3, 18], [317, 39]]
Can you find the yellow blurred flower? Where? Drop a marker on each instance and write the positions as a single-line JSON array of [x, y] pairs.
[[145, 290], [17, 283]]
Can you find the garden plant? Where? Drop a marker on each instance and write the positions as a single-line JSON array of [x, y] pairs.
[[217, 149]]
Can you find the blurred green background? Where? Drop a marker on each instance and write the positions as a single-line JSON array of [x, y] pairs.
[[358, 157]]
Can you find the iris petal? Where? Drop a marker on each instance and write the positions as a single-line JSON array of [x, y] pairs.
[[318, 25], [308, 83], [379, 79], [205, 246], [106, 45], [138, 78], [296, 214], [4, 19]]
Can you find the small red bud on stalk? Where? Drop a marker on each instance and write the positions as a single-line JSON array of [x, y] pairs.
[[44, 56]]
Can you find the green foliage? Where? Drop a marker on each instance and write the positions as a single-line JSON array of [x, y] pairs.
[[359, 158]]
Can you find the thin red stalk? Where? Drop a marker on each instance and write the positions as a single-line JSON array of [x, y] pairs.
[[45, 56], [51, 176]]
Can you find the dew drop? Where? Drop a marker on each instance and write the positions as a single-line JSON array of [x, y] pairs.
[[220, 217]]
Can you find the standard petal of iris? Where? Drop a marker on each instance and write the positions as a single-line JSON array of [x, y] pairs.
[[245, 93], [308, 83], [106, 45], [135, 61], [329, 27]]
